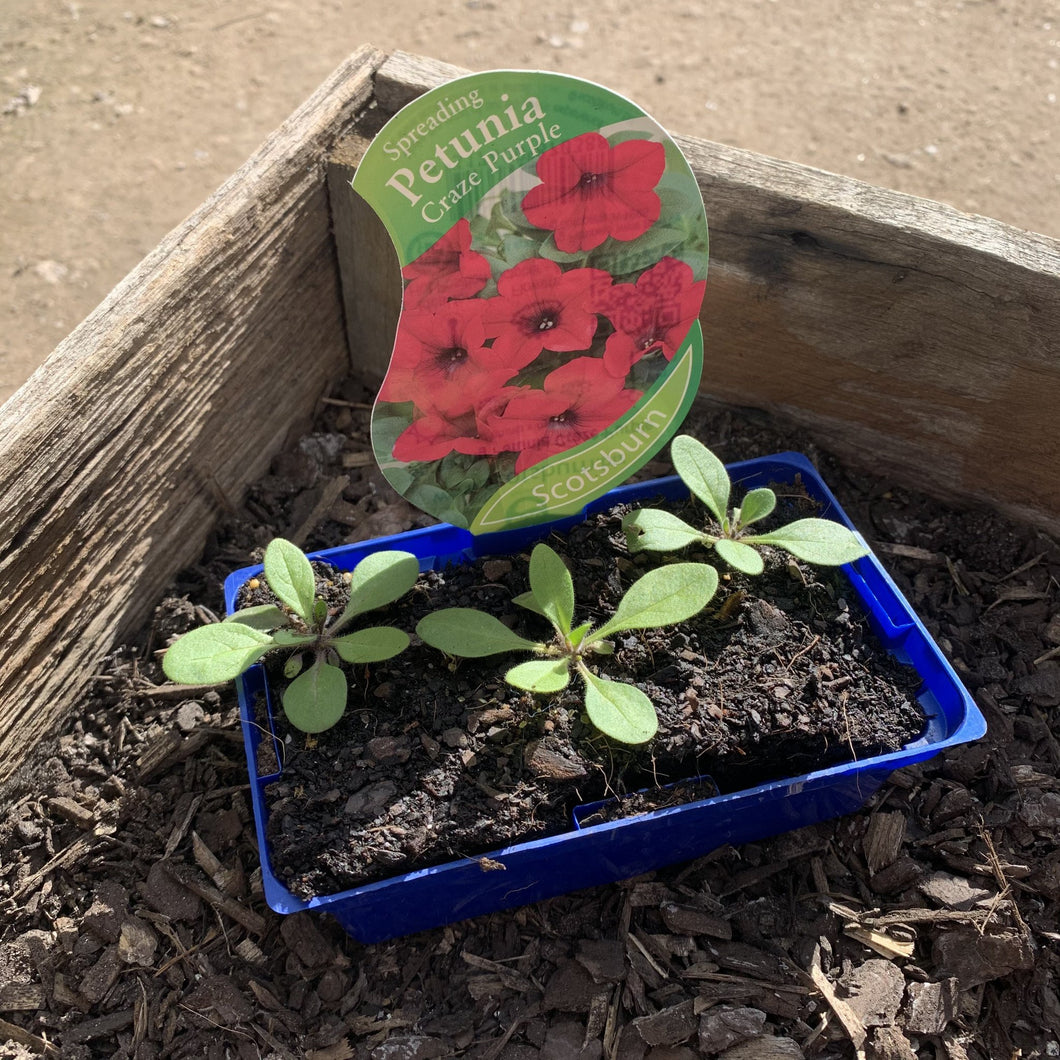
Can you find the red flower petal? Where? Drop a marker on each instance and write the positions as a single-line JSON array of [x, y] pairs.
[[449, 269], [590, 190]]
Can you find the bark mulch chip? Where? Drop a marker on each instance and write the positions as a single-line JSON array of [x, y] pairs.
[[921, 928]]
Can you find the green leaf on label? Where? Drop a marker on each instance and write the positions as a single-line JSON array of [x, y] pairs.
[[371, 645], [620, 711], [703, 473], [470, 634], [662, 597], [551, 584], [529, 601], [379, 579], [261, 616], [757, 505], [540, 675], [315, 700], [290, 577], [658, 531], [741, 556], [816, 541], [209, 655]]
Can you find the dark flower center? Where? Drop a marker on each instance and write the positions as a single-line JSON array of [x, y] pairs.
[[450, 358], [590, 181], [540, 318]]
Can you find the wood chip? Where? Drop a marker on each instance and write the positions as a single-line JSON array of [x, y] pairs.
[[850, 1020], [883, 840]]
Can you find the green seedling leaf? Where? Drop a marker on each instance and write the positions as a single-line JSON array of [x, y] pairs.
[[620, 711], [210, 655], [290, 577], [539, 675], [379, 579], [756, 505], [662, 597], [529, 601], [315, 700], [704, 474], [816, 541], [656, 531], [741, 556], [293, 666], [577, 635], [551, 584], [320, 612], [261, 616], [470, 634], [287, 638], [371, 645]]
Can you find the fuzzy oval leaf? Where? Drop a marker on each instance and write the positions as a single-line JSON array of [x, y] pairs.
[[741, 556], [540, 675], [290, 577], [529, 601], [620, 711], [293, 667], [553, 589], [649, 530], [757, 504], [817, 541], [662, 597], [210, 655], [469, 633], [703, 473], [315, 700], [371, 645], [261, 616], [379, 579]]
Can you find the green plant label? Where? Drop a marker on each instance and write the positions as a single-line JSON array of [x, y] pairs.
[[553, 248]]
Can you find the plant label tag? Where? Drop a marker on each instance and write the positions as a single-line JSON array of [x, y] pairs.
[[553, 247]]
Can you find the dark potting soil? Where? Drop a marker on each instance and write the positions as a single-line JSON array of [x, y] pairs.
[[436, 760]]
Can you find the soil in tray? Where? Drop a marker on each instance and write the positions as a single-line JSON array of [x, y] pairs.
[[436, 760]]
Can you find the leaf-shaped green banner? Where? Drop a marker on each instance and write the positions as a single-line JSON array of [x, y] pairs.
[[540, 675], [653, 530], [290, 577], [741, 556], [703, 473], [371, 645], [757, 505], [209, 655], [620, 711], [817, 541], [551, 584], [470, 634], [315, 700], [379, 579], [662, 597]]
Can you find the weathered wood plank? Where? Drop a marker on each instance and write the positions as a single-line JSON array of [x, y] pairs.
[[921, 341], [368, 265], [161, 407]]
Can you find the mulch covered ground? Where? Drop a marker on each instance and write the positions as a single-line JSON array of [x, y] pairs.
[[922, 927]]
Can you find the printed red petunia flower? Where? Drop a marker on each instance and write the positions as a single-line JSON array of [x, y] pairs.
[[578, 401], [540, 307], [450, 269], [441, 361], [432, 437], [653, 314], [590, 190]]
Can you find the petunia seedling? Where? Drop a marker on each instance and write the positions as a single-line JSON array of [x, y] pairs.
[[302, 625], [819, 541], [662, 597]]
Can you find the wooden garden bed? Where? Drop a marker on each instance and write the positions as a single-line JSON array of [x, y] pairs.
[[920, 341]]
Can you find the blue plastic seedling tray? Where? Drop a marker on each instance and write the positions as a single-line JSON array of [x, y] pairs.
[[603, 853]]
